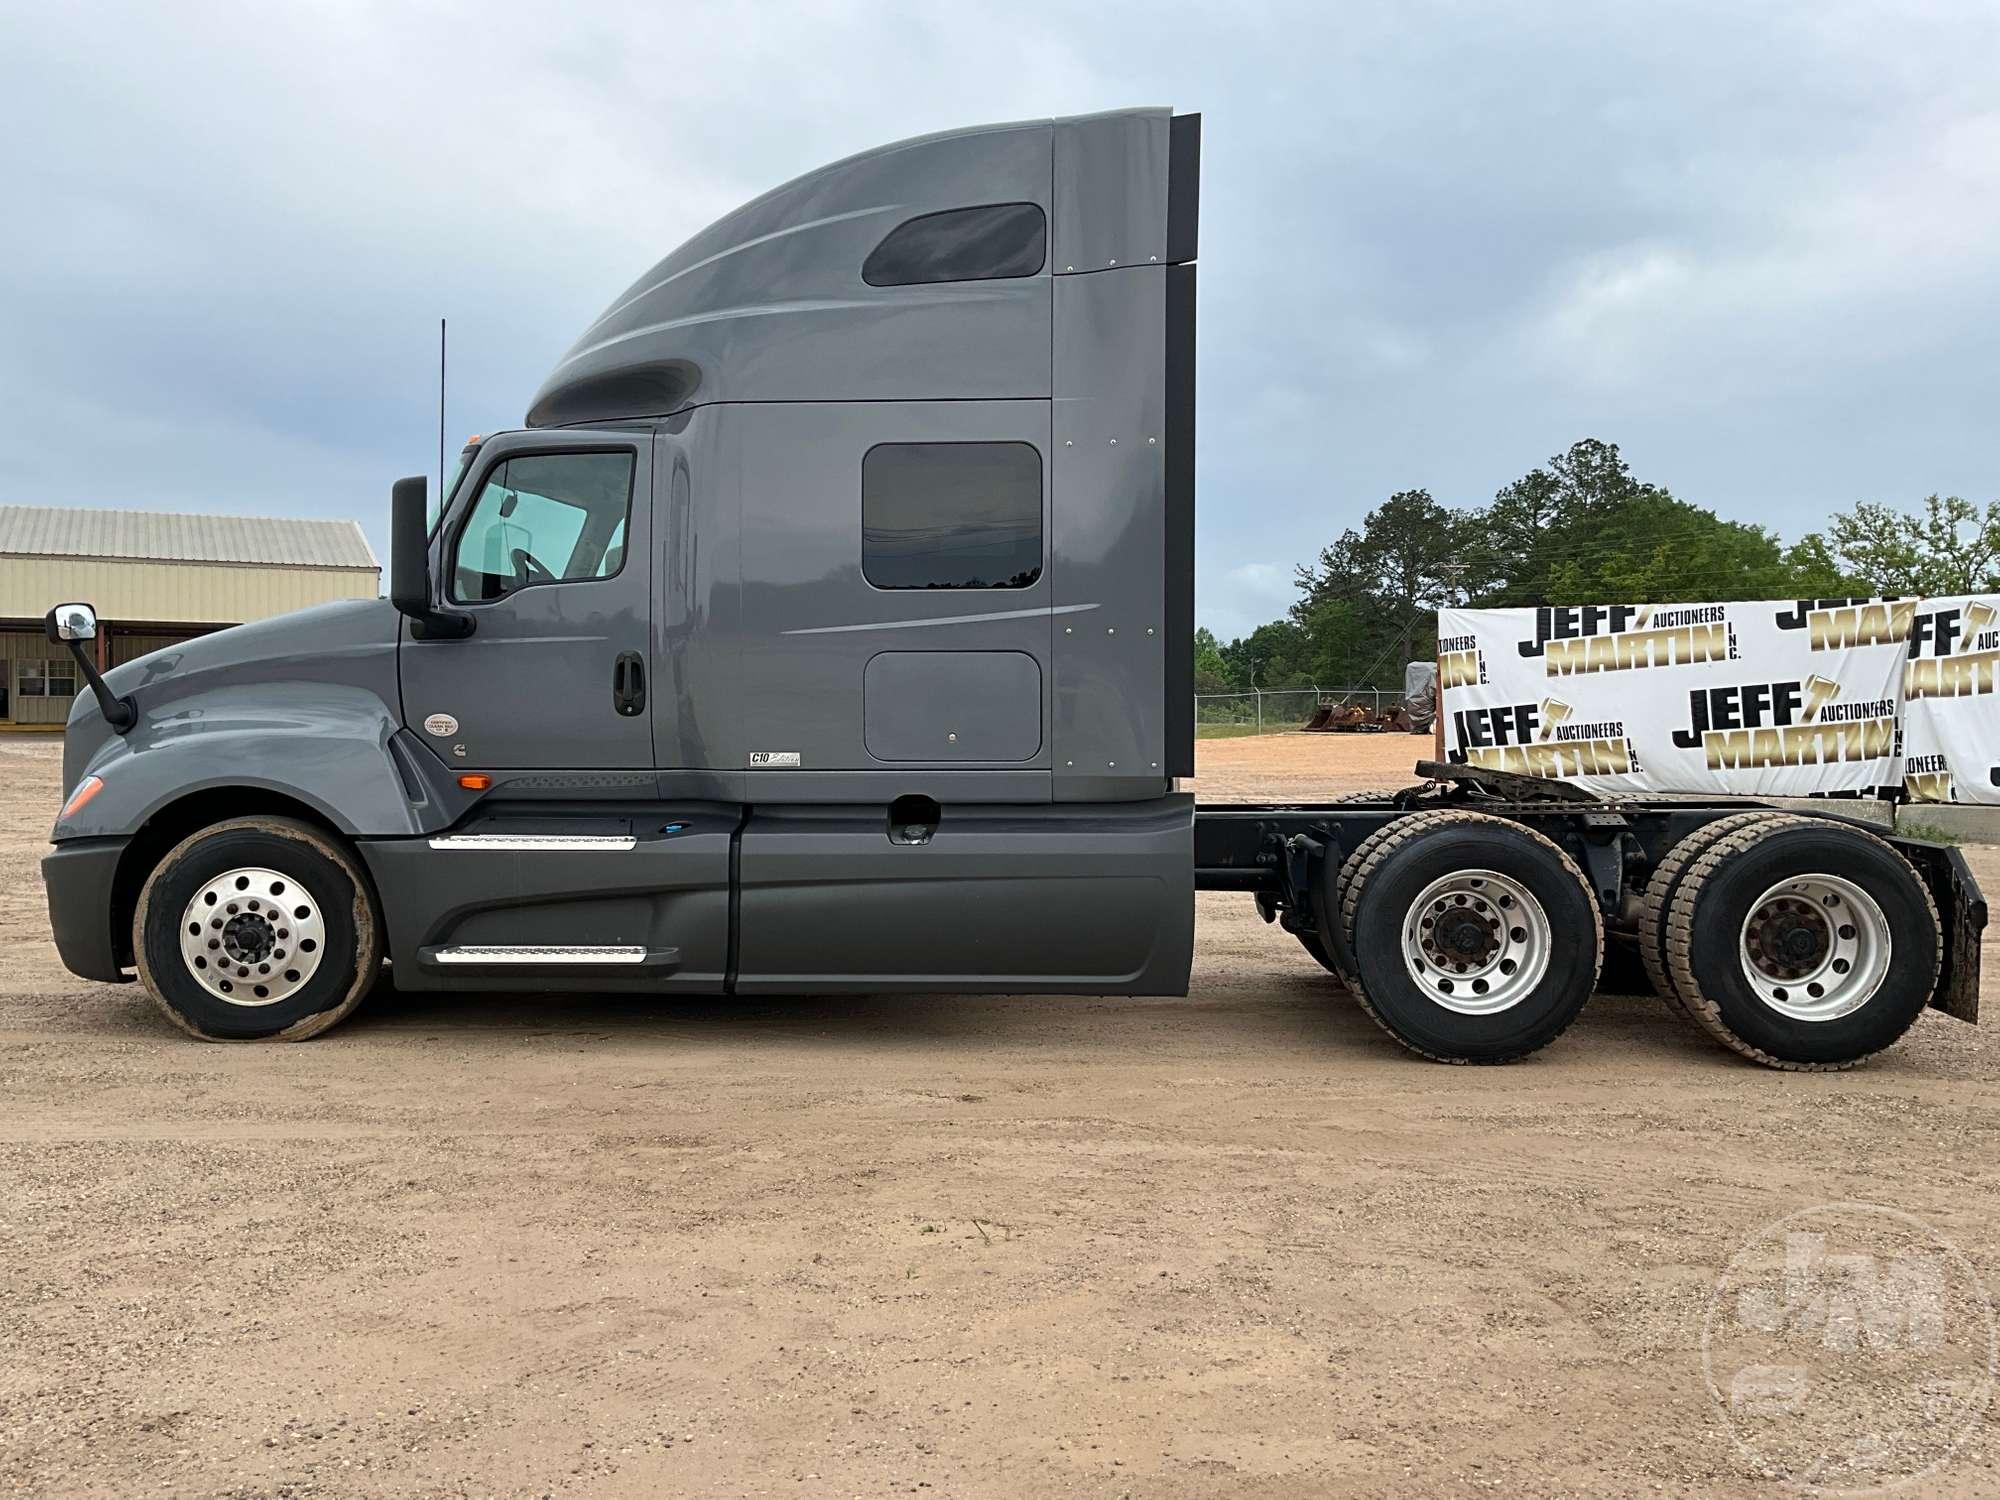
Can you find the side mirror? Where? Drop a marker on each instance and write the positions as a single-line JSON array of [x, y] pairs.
[[71, 625], [410, 565], [70, 622]]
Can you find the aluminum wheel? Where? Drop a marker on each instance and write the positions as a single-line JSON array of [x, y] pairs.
[[252, 936], [1815, 947], [1476, 942]]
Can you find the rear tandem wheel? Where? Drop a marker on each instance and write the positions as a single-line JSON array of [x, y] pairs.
[[1804, 944], [1666, 880], [1476, 939]]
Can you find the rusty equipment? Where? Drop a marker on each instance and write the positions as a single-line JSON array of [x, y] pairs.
[[1353, 718]]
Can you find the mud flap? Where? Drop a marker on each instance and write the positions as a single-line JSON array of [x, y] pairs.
[[1321, 891], [1962, 916]]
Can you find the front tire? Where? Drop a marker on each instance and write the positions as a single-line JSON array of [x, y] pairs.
[[257, 929], [1477, 939]]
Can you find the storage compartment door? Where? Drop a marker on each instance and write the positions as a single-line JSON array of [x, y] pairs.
[[931, 706], [1077, 900]]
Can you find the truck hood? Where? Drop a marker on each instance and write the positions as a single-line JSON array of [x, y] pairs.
[[198, 684]]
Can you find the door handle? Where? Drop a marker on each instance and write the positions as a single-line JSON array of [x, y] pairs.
[[628, 683]]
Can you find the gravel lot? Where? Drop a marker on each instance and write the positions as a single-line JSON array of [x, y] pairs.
[[1234, 1243]]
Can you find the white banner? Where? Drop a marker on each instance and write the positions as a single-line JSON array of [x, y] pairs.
[[1951, 712], [1787, 698]]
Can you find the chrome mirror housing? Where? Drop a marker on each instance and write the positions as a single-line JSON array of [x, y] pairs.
[[71, 622]]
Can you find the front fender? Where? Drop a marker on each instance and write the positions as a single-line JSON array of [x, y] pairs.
[[337, 749]]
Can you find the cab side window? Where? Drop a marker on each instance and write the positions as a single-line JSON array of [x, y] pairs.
[[543, 518]]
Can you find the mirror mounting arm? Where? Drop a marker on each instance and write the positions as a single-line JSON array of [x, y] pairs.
[[119, 713]]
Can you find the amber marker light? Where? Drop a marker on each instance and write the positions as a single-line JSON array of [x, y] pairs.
[[89, 787], [476, 781]]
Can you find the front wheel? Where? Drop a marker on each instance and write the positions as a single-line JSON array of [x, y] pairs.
[[257, 929]]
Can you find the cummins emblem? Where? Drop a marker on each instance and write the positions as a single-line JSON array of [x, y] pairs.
[[441, 725]]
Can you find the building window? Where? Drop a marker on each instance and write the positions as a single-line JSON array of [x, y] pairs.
[[997, 242], [951, 515], [46, 679], [544, 518]]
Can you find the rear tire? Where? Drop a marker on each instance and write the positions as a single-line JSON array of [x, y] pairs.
[[1807, 947], [1666, 879], [257, 929], [1477, 939]]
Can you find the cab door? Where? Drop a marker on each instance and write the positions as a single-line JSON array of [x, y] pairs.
[[546, 547]]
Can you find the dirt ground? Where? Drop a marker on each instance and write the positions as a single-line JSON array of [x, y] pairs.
[[1237, 1243]]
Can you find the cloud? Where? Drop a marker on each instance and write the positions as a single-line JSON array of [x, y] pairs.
[[1246, 596], [1751, 244], [1865, 266]]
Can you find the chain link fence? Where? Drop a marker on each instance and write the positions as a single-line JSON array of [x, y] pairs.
[[1277, 710]]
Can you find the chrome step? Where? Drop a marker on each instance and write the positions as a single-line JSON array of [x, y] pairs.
[[542, 955], [536, 843]]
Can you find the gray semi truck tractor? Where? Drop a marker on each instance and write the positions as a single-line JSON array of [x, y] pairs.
[[828, 627]]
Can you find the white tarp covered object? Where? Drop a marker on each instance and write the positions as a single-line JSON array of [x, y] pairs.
[[1781, 698], [1951, 711]]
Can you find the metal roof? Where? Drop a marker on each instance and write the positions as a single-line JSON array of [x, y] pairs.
[[163, 536]]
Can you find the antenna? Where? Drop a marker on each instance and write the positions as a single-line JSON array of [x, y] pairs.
[[440, 489]]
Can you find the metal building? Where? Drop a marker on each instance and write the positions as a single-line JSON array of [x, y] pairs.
[[155, 579]]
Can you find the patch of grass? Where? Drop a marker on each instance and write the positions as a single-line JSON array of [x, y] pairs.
[[1930, 833], [1232, 731]]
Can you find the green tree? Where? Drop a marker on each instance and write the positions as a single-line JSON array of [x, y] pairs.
[[1406, 551], [1368, 602], [1664, 550], [1269, 657], [1584, 529], [1817, 574], [1580, 529], [1211, 672], [1953, 547], [1559, 513]]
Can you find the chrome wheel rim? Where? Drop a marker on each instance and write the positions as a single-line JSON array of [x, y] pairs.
[[1815, 947], [1476, 942], [252, 936]]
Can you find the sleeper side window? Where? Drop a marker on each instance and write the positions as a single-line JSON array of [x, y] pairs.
[[543, 518], [996, 242], [951, 515]]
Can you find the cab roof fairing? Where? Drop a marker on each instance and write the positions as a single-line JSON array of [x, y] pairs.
[[768, 303]]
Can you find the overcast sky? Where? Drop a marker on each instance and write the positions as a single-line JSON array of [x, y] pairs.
[[1758, 245]]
